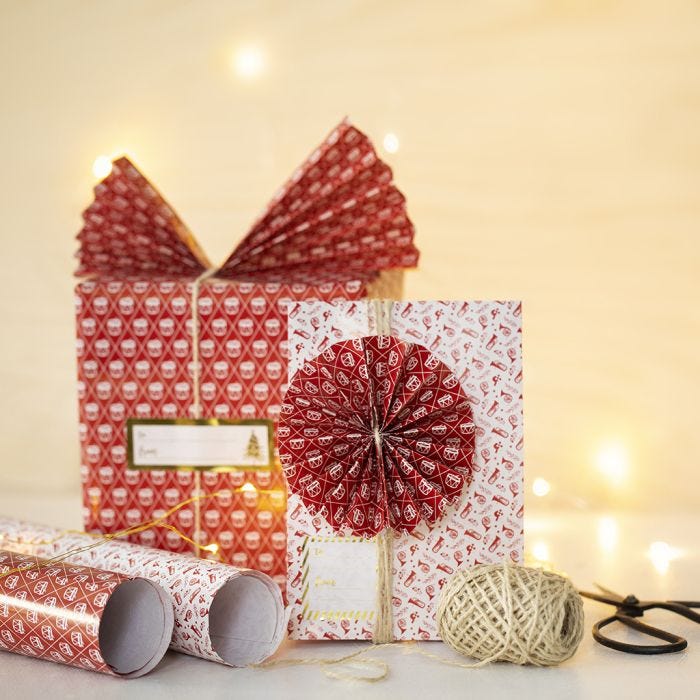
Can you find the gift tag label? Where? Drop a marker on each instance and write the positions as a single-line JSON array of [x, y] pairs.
[[340, 578], [207, 444]]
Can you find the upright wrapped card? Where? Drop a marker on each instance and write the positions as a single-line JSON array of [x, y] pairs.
[[182, 366], [401, 437]]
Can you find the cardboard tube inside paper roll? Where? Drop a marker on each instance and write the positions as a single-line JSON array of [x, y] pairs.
[[82, 617], [233, 616]]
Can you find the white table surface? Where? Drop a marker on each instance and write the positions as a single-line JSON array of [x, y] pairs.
[[573, 542]]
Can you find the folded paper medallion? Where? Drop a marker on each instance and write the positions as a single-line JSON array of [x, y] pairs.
[[182, 365], [401, 440]]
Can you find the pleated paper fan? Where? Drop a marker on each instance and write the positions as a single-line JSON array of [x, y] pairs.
[[339, 217], [340, 213], [129, 229], [375, 433]]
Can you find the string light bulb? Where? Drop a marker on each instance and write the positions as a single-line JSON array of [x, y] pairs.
[[612, 461], [248, 487], [540, 551], [540, 487], [102, 167], [661, 555], [608, 533], [248, 62], [213, 548], [391, 142]]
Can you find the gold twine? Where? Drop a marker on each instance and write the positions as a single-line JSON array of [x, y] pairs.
[[194, 314], [327, 665], [196, 398], [383, 631]]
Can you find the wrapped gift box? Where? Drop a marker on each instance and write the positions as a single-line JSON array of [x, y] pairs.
[[448, 384], [163, 336]]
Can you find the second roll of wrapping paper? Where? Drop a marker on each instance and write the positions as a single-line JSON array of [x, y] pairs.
[[233, 616]]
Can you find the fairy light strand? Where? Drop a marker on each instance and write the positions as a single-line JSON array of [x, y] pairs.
[[101, 538]]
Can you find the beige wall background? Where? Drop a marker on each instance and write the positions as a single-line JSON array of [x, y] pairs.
[[550, 151]]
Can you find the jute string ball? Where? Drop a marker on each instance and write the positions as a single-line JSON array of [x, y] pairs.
[[500, 612]]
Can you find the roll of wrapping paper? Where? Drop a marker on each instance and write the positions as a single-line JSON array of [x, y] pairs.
[[224, 614], [82, 617]]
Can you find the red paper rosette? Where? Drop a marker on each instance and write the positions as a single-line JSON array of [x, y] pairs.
[[376, 433]]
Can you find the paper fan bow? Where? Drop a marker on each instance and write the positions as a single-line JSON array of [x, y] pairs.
[[339, 217], [376, 433]]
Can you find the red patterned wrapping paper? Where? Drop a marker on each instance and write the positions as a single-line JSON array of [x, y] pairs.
[[61, 612], [135, 360], [205, 626], [339, 216], [480, 342]]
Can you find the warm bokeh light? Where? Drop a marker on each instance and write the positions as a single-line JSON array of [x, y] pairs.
[[608, 533], [248, 487], [213, 548], [248, 62], [661, 555], [540, 486], [391, 143], [612, 461], [520, 182], [540, 551], [102, 167]]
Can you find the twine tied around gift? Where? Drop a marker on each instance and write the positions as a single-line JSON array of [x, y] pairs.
[[383, 631], [196, 394]]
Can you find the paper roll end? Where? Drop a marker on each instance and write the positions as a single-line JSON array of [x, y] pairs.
[[136, 627], [246, 619]]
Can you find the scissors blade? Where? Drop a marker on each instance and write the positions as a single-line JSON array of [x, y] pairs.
[[608, 592], [614, 598], [601, 598]]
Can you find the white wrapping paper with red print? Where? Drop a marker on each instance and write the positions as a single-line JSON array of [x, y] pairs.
[[336, 230], [233, 616], [331, 585], [82, 617]]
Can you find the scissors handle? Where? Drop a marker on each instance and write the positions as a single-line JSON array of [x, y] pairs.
[[679, 607], [687, 603], [675, 643]]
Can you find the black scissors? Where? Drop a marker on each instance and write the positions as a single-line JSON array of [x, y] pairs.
[[629, 609]]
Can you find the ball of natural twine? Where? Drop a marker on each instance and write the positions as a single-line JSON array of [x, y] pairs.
[[511, 613]]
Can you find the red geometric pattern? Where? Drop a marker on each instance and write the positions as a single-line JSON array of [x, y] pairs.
[[376, 433], [135, 360], [53, 612]]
